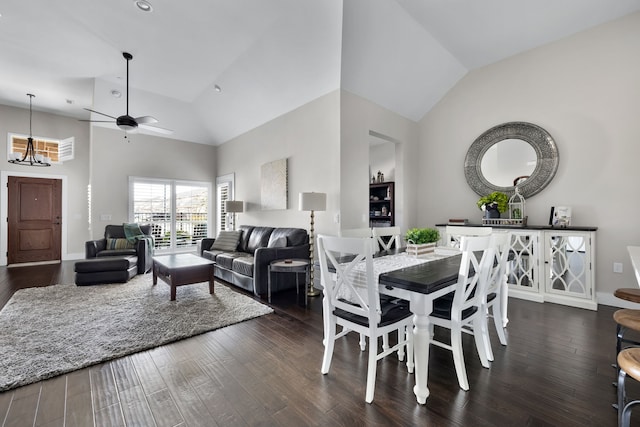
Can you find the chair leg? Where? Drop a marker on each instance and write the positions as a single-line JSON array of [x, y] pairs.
[[363, 343], [458, 358], [385, 342], [481, 339], [371, 370], [504, 303], [498, 321], [329, 343], [486, 341], [621, 395], [410, 362], [401, 337]]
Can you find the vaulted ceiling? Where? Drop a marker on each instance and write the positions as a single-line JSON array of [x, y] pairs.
[[267, 56]]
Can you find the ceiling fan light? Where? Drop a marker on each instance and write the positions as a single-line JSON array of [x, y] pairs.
[[126, 123]]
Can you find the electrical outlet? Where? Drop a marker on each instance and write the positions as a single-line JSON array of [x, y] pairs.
[[617, 267]]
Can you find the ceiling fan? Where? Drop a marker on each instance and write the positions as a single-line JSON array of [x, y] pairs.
[[126, 122]]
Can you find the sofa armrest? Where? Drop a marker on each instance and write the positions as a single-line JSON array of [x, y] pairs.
[[205, 244], [145, 260], [262, 258], [92, 247]]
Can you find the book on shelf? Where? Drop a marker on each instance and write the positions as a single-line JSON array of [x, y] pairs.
[[458, 221]]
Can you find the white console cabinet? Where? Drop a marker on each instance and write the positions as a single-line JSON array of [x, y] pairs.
[[549, 264]]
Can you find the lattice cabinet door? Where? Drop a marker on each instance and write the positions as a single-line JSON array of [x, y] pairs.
[[568, 264], [523, 267]]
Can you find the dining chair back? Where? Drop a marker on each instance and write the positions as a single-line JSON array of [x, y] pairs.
[[495, 298], [352, 301], [387, 237], [453, 233], [461, 310]]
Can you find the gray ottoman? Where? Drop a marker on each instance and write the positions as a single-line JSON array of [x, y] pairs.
[[102, 270]]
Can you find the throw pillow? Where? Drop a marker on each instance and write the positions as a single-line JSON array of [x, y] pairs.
[[227, 241], [119, 244], [132, 231]]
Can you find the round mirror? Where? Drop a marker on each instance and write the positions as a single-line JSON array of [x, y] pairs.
[[515, 153]]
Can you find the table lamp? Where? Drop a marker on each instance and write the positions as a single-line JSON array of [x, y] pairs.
[[312, 202], [231, 207]]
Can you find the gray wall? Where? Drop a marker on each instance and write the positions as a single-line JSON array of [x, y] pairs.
[[585, 91], [75, 172]]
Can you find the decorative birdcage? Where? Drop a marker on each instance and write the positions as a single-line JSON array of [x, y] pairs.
[[516, 206]]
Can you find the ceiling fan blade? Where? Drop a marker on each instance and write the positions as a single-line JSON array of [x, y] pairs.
[[98, 112], [96, 121], [146, 120], [156, 129]]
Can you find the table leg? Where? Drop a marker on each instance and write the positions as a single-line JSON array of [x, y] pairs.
[[421, 339], [211, 279], [504, 296], [269, 283], [173, 292], [155, 274]]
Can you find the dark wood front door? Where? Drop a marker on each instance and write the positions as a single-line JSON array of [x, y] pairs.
[[34, 224]]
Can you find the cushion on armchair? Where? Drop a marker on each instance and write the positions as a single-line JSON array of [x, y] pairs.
[[118, 244]]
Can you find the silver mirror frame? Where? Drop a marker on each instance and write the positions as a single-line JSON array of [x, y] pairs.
[[541, 141]]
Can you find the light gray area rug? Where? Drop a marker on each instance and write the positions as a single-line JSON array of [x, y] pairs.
[[49, 331]]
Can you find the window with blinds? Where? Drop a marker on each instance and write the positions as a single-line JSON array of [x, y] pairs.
[[177, 211], [224, 192], [59, 150]]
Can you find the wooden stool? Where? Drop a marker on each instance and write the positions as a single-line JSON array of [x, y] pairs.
[[628, 364], [626, 319], [629, 294]]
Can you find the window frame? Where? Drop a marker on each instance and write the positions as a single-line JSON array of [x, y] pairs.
[[173, 183], [65, 145]]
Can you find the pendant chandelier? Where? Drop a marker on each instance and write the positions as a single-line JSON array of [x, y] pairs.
[[30, 158]]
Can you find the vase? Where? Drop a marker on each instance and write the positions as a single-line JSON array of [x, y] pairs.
[[491, 212], [420, 250]]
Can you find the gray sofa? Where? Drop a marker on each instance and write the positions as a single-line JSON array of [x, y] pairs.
[[246, 266]]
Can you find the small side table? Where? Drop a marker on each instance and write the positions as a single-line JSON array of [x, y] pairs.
[[289, 266]]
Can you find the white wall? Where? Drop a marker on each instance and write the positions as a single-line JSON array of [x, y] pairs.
[[115, 159], [585, 91], [382, 157], [75, 172], [308, 137], [359, 118]]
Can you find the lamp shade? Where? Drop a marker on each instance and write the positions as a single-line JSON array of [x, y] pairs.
[[313, 201], [233, 206]]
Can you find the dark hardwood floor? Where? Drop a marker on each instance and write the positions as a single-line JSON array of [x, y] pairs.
[[556, 371]]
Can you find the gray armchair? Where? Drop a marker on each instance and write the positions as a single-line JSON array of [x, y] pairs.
[[108, 246]]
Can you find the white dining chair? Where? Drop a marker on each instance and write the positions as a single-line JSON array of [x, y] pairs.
[[461, 311], [364, 313], [392, 233]]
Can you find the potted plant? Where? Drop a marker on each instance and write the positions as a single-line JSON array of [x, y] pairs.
[[421, 241], [494, 204]]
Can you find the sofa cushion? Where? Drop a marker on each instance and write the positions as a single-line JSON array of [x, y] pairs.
[[244, 238], [259, 238], [279, 242], [294, 236], [244, 265], [119, 244], [225, 259], [226, 241], [211, 254], [116, 252]]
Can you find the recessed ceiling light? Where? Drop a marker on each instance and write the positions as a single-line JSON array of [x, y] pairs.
[[143, 5], [116, 93], [217, 88]]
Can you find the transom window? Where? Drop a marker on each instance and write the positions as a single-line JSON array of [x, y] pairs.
[[178, 211], [58, 150]]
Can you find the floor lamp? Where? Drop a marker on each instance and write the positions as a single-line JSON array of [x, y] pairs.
[[312, 202], [231, 207]]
